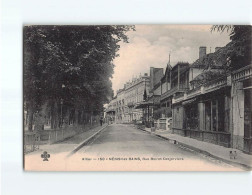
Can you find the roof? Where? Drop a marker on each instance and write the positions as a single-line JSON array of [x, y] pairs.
[[207, 75], [154, 100], [211, 60]]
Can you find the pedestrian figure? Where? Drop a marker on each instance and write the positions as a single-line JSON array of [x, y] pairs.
[[101, 121]]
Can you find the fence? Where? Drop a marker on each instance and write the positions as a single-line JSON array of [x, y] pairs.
[[33, 140]]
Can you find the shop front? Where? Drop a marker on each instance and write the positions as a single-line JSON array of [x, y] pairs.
[[205, 117]]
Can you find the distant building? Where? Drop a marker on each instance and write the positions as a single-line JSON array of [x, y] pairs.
[[174, 83], [155, 75], [155, 91], [134, 93], [122, 107]]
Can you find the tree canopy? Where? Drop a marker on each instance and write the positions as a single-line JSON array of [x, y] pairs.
[[73, 64], [237, 53]]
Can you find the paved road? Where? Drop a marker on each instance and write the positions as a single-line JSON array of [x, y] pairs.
[[124, 140]]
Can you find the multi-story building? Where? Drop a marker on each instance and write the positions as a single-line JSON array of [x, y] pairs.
[[122, 106], [213, 109], [111, 110], [134, 93], [155, 91], [174, 83]]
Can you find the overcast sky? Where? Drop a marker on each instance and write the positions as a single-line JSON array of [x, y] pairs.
[[149, 46]]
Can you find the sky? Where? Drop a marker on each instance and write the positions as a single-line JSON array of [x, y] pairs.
[[150, 45]]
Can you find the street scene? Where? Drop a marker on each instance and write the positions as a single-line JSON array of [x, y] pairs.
[[137, 98]]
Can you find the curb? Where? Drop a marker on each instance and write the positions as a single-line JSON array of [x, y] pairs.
[[244, 166], [85, 142]]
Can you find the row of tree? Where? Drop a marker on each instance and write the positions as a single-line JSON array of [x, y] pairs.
[[67, 71]]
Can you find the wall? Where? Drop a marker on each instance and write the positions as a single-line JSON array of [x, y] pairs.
[[157, 91], [155, 76], [164, 87], [134, 94], [237, 98], [194, 72], [177, 117]]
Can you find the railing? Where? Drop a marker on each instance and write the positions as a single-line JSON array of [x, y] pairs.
[[215, 84], [194, 92], [178, 98], [242, 74], [208, 87], [215, 137], [31, 142], [173, 90]]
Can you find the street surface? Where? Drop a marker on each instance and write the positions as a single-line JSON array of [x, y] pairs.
[[121, 147], [120, 140]]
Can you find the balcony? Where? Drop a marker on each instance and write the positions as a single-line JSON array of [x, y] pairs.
[[217, 84], [178, 98], [205, 88], [194, 92], [242, 74], [176, 89]]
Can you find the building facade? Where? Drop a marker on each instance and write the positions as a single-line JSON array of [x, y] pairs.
[[122, 106], [174, 83], [213, 109], [134, 94]]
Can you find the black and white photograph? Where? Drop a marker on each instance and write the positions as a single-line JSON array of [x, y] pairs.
[[137, 97]]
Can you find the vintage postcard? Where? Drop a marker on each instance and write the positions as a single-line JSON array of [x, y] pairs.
[[137, 97]]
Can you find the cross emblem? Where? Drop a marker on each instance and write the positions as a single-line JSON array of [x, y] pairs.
[[45, 156]]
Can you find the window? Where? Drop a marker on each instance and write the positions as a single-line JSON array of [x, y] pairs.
[[191, 116], [215, 115]]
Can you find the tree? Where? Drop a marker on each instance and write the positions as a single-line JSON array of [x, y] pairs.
[[238, 52], [72, 64]]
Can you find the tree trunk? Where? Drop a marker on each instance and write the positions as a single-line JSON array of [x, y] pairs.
[[30, 119]]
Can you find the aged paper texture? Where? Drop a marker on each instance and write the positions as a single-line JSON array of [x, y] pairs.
[[137, 98]]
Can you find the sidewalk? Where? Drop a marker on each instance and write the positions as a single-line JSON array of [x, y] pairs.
[[69, 144], [210, 149]]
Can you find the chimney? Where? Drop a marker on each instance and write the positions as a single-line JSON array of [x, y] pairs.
[[151, 77], [202, 51], [217, 48]]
